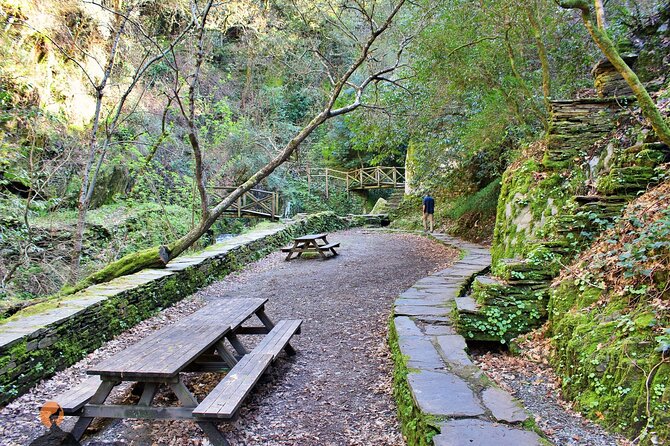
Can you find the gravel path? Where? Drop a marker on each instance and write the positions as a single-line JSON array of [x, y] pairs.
[[335, 391], [530, 378]]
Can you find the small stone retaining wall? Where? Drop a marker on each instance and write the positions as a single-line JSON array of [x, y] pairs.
[[443, 398], [49, 337]]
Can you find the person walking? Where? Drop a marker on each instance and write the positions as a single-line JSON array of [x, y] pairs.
[[428, 211]]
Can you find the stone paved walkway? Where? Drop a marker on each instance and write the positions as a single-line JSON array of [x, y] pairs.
[[444, 382]]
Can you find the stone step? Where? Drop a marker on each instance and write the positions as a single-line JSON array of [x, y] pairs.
[[420, 353], [466, 304], [503, 406], [443, 394], [473, 432], [422, 310], [454, 349]]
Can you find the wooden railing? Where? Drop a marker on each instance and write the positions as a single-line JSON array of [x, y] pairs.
[[254, 203], [378, 177]]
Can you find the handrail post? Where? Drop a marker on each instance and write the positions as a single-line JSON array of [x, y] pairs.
[[273, 208]]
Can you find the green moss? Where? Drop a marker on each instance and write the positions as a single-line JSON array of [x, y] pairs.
[[605, 355], [417, 428], [530, 199]]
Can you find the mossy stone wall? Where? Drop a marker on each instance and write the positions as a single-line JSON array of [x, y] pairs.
[[31, 358], [606, 358]]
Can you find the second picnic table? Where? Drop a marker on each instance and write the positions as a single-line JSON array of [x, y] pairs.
[[311, 243]]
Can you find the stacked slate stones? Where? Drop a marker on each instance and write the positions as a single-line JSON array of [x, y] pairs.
[[515, 300]]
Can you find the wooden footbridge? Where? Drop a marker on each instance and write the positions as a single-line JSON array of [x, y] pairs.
[[256, 203], [365, 178]]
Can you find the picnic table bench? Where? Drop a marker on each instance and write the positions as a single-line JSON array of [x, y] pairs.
[[197, 343], [311, 243]]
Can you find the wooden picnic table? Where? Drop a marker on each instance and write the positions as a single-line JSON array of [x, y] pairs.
[[196, 343], [311, 243]]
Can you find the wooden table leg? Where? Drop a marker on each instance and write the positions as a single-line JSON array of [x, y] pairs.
[[150, 390], [98, 398], [267, 322], [223, 352], [270, 325], [316, 246], [187, 399], [290, 253], [299, 248], [213, 433], [237, 345]]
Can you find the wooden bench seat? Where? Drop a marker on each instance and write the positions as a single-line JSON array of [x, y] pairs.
[[74, 399], [227, 397], [329, 246]]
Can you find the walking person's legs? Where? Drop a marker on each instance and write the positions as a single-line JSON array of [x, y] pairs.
[[425, 216], [432, 221]]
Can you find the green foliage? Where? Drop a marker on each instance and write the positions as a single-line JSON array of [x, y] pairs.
[[483, 202]]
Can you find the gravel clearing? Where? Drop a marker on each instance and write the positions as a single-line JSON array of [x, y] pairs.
[[335, 391]]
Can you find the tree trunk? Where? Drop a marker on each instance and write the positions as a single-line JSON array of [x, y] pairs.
[[600, 37], [522, 82], [542, 53]]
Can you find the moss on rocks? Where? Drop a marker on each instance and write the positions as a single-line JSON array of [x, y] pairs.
[[417, 428], [606, 358], [506, 310]]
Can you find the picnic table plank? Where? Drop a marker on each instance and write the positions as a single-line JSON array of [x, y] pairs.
[[227, 397], [74, 399], [310, 237], [329, 246], [165, 353]]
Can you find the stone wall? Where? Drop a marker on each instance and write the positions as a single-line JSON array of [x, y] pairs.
[[554, 202], [42, 339]]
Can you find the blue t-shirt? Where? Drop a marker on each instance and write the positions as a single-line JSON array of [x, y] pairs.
[[429, 203]]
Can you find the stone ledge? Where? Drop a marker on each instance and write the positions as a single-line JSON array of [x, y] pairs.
[[442, 380], [483, 433]]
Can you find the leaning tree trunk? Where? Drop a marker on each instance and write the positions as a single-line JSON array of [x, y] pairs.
[[158, 256], [542, 53]]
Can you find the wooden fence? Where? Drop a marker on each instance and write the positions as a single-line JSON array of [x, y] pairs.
[[365, 178], [256, 203]]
